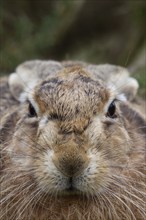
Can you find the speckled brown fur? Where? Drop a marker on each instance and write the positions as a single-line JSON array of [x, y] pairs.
[[66, 159]]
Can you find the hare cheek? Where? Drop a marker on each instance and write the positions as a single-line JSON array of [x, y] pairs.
[[20, 152], [47, 132], [94, 131], [23, 142], [95, 176], [48, 177]]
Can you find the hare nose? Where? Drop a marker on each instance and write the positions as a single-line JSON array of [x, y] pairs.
[[70, 164]]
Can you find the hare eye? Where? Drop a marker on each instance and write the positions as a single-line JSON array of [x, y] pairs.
[[32, 112], [111, 110]]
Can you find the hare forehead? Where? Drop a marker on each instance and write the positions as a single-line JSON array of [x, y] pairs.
[[71, 96]]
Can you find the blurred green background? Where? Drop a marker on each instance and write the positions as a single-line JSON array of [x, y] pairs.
[[104, 31]]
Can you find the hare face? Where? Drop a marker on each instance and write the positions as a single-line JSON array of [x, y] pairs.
[[71, 148], [74, 132]]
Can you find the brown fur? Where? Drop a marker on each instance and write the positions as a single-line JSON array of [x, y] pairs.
[[72, 139]]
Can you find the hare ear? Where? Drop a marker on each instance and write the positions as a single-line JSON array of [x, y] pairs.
[[120, 78], [116, 76], [28, 74], [129, 88], [20, 81]]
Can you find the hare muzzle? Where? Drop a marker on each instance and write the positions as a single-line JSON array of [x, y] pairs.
[[71, 162]]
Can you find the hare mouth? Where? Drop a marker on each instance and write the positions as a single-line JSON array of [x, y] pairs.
[[70, 192]]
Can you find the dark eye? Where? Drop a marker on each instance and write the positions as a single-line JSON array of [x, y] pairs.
[[32, 112], [111, 110]]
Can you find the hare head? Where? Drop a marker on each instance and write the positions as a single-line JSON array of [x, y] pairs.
[[72, 136]]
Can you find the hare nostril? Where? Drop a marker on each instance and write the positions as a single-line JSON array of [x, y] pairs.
[[70, 165], [70, 188], [70, 180]]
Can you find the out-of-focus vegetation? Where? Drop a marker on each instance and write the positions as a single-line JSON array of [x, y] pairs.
[[95, 31], [140, 75]]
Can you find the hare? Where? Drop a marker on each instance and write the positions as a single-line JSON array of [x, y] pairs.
[[72, 147]]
